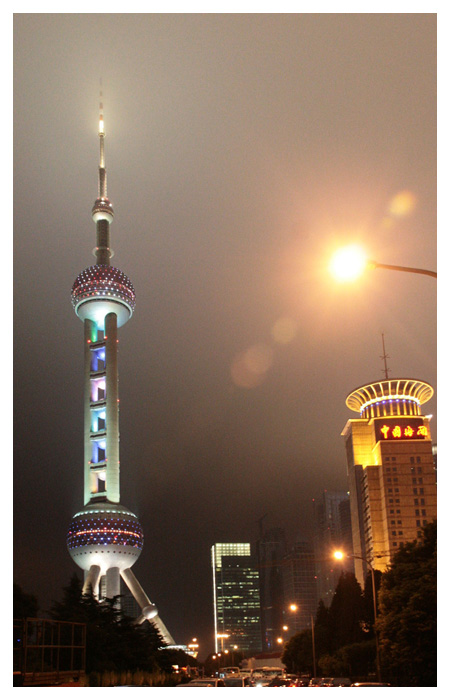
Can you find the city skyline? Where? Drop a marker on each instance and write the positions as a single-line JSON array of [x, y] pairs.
[[242, 150]]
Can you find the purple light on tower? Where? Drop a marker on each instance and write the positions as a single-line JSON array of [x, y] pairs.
[[104, 537]]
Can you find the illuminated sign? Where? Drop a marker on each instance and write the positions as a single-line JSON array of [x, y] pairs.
[[401, 428]]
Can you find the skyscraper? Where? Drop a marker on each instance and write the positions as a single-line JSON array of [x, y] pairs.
[[236, 597], [299, 585], [332, 530], [271, 551], [105, 538], [391, 471]]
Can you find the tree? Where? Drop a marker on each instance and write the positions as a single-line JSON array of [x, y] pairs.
[[113, 642], [24, 604], [346, 613], [407, 613]]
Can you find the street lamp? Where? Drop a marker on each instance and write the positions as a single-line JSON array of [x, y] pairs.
[[339, 556], [193, 647], [222, 637], [350, 262]]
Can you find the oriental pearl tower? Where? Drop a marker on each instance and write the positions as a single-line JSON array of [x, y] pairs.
[[105, 538]]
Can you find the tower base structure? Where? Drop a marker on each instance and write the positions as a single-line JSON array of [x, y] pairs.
[[105, 539]]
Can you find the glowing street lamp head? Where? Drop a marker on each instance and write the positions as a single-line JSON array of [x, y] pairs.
[[293, 607], [348, 263], [339, 555]]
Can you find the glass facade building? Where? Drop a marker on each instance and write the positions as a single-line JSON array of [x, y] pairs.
[[236, 597]]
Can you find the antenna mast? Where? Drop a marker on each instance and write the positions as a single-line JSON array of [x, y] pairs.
[[385, 357]]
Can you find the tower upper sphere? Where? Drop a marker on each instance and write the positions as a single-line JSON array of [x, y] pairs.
[[102, 289]]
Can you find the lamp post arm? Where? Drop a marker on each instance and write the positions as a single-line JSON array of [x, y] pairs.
[[399, 268]]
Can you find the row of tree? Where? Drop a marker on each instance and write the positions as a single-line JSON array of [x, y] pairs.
[[344, 633], [113, 642]]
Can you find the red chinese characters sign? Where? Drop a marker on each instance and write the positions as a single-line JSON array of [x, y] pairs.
[[401, 429]]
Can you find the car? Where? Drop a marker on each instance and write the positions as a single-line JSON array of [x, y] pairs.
[[341, 682], [203, 683], [321, 682], [369, 685], [238, 682], [281, 683]]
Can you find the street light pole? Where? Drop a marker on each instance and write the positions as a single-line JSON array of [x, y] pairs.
[[399, 268], [313, 646], [350, 262]]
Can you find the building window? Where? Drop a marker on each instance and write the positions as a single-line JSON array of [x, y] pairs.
[[424, 512], [417, 523], [414, 480]]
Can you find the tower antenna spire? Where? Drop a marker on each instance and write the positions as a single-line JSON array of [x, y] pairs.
[[102, 211], [385, 358]]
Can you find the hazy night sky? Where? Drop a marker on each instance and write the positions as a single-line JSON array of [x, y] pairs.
[[241, 150]]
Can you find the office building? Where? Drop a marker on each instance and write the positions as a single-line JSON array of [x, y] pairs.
[[299, 586], [235, 597], [271, 552], [332, 531], [391, 469]]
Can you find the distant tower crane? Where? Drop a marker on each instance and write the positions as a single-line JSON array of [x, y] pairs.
[[104, 537]]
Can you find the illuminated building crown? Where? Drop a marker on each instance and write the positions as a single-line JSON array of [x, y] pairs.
[[390, 397]]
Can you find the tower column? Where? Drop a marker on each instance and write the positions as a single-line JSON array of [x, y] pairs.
[[112, 409], [90, 332]]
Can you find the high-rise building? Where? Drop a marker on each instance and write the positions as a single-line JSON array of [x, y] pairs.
[[271, 551], [299, 585], [236, 597], [332, 531], [105, 538], [391, 470]]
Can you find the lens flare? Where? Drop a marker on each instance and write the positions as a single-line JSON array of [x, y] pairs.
[[249, 368], [402, 204], [284, 330], [348, 263]]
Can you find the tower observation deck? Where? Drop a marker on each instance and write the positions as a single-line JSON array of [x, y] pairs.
[[105, 538]]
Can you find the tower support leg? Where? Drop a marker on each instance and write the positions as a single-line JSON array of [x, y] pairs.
[[112, 582], [149, 610], [91, 581]]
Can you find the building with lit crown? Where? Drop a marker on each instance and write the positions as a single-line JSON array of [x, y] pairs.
[[391, 470], [236, 597], [105, 538]]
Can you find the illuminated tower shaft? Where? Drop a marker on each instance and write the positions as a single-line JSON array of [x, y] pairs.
[[104, 537]]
